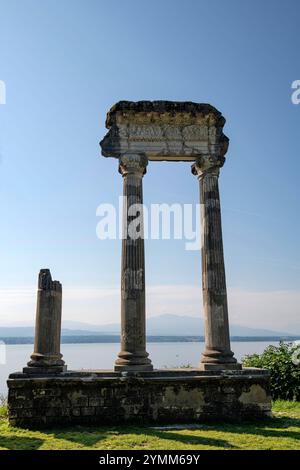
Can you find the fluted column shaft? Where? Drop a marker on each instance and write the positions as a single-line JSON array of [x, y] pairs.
[[133, 355], [217, 353]]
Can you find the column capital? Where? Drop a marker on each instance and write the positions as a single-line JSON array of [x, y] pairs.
[[208, 164], [133, 163]]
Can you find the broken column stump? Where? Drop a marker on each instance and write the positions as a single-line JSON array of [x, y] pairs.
[[47, 357]]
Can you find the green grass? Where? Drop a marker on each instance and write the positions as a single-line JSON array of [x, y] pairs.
[[281, 432]]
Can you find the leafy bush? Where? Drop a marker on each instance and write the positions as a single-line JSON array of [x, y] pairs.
[[3, 406], [282, 362]]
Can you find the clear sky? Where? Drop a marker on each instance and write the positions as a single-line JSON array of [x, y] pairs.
[[65, 63]]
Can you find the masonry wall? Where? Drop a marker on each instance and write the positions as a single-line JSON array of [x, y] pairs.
[[158, 397]]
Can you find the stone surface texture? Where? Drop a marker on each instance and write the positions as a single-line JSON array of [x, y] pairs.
[[133, 355], [173, 396], [164, 130], [47, 355], [217, 353], [181, 131]]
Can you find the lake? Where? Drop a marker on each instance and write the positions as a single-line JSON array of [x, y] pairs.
[[102, 355]]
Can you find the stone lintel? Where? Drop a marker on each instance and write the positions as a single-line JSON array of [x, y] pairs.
[[164, 130]]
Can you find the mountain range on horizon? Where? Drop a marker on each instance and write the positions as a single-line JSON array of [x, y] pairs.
[[162, 325]]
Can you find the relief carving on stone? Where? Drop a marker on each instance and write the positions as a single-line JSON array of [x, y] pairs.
[[163, 132], [132, 283]]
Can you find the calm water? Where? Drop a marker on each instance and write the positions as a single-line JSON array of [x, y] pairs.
[[102, 355]]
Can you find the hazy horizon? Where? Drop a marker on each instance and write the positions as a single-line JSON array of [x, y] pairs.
[[266, 310], [161, 328]]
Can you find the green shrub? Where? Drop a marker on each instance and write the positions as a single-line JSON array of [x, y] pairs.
[[285, 372], [3, 406]]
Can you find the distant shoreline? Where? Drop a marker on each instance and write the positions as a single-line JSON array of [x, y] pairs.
[[92, 339]]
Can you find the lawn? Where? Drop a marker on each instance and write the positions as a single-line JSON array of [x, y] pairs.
[[281, 432]]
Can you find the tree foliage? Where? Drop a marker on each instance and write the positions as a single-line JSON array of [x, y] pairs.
[[283, 361]]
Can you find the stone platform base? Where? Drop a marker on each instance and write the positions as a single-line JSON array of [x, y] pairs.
[[161, 396]]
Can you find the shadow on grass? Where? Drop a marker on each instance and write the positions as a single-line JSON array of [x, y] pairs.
[[90, 436], [187, 439], [269, 428], [87, 436], [277, 427], [20, 443]]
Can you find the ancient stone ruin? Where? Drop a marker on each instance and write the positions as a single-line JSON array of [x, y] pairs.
[[46, 393], [172, 131], [46, 357]]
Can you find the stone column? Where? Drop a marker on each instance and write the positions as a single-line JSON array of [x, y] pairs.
[[217, 354], [133, 355], [46, 356]]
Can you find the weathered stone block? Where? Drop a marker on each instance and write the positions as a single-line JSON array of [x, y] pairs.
[[87, 411], [152, 397], [96, 401], [76, 411], [164, 130]]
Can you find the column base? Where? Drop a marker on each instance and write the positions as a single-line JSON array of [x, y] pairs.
[[46, 360], [45, 364], [128, 361], [44, 369], [218, 359]]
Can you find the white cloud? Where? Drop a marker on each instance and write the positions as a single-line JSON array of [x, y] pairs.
[[276, 310]]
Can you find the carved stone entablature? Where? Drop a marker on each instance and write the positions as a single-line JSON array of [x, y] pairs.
[[164, 130]]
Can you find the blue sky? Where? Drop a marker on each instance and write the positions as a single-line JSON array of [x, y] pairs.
[[64, 65]]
